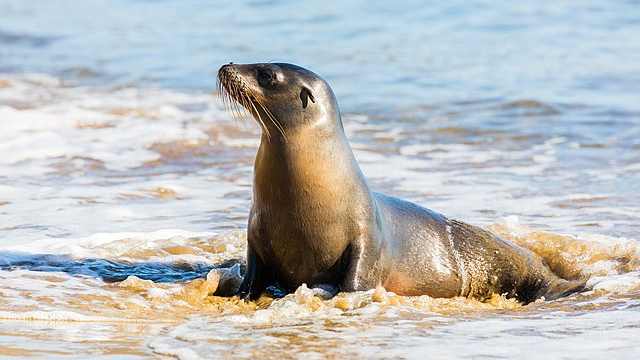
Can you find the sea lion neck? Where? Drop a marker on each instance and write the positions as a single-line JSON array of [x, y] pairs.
[[303, 162]]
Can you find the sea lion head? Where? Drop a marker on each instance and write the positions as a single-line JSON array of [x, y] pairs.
[[283, 98]]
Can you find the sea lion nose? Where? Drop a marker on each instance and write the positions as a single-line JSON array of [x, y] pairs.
[[226, 68], [230, 64]]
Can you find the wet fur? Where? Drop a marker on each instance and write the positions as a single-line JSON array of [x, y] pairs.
[[315, 220]]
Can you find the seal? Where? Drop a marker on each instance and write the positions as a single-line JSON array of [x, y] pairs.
[[315, 220]]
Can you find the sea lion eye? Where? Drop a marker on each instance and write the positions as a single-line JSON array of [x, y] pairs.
[[266, 78]]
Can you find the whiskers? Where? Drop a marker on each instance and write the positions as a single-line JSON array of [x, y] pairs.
[[236, 97]]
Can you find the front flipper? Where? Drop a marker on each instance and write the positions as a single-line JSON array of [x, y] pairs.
[[256, 278], [325, 291], [361, 268]]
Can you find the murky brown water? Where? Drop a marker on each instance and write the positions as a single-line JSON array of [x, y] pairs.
[[134, 317]]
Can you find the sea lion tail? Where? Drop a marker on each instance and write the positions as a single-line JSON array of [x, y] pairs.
[[561, 288]]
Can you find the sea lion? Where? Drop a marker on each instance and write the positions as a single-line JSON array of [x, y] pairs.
[[315, 220]]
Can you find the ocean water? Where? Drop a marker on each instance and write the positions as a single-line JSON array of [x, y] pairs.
[[125, 184]]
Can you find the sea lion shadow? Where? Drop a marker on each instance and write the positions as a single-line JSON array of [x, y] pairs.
[[112, 270]]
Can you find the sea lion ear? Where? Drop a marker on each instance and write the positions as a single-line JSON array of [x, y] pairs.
[[305, 95]]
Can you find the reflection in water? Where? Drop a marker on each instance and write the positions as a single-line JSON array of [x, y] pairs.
[[110, 270]]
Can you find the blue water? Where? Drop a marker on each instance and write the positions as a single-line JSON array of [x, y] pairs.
[[376, 55]]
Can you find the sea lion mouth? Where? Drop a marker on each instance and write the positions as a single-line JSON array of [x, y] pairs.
[[232, 88], [237, 95]]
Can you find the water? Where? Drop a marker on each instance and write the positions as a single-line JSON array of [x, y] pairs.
[[118, 160]]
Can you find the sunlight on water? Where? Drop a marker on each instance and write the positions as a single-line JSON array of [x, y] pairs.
[[185, 319], [192, 171]]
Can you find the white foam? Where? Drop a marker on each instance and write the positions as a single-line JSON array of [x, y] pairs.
[[57, 315], [103, 244], [57, 140], [51, 129], [617, 284]]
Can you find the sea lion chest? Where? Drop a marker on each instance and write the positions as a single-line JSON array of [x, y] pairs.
[[302, 219]]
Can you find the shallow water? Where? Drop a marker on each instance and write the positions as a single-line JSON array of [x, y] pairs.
[[124, 184]]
